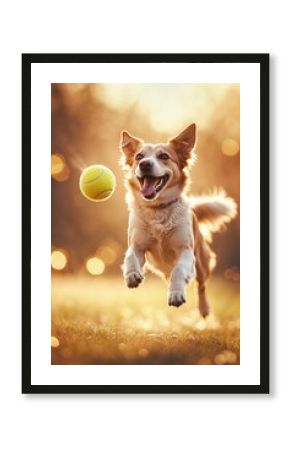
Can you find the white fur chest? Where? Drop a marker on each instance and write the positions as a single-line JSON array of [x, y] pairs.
[[165, 229], [160, 222]]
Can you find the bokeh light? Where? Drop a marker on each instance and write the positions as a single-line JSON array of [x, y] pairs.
[[54, 342], [230, 147], [107, 254], [59, 168], [143, 352], [230, 356], [225, 357], [58, 259], [220, 359], [95, 266], [232, 273]]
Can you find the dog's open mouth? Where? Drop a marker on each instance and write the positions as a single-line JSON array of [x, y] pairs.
[[150, 186]]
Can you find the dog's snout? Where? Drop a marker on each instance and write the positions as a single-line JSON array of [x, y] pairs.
[[146, 165]]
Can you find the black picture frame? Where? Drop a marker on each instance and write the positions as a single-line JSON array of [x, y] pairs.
[[263, 61]]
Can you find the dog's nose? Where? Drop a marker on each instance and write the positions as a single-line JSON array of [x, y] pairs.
[[146, 165]]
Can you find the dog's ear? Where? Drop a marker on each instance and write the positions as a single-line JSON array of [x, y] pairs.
[[129, 145], [183, 144]]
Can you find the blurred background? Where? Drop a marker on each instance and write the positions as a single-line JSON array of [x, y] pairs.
[[89, 239]]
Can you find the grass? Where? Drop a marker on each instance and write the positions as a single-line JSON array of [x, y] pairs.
[[100, 321]]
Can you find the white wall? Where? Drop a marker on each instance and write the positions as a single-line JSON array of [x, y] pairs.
[[153, 421]]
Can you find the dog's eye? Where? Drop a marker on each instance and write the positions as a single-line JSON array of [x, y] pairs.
[[139, 156], [163, 156]]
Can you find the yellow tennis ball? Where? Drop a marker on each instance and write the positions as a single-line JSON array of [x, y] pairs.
[[97, 183]]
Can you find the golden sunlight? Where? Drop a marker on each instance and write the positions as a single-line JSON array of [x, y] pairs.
[[168, 106], [95, 266]]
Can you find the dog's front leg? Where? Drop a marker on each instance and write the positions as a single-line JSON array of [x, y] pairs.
[[134, 261], [182, 273]]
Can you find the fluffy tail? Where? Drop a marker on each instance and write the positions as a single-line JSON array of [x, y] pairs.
[[214, 211]]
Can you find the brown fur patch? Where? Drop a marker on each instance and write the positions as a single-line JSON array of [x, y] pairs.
[[129, 145], [183, 145]]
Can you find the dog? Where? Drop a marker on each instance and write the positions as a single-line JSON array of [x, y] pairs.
[[169, 230]]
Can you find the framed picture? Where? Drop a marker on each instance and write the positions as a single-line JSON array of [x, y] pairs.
[[145, 223]]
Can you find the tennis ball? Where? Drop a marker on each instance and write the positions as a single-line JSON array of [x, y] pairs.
[[97, 183]]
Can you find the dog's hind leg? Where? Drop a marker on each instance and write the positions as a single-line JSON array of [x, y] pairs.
[[202, 298], [203, 258]]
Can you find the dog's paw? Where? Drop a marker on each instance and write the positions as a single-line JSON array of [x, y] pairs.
[[204, 309], [133, 279], [176, 298]]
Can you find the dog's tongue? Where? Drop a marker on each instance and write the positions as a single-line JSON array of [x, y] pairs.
[[148, 187]]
